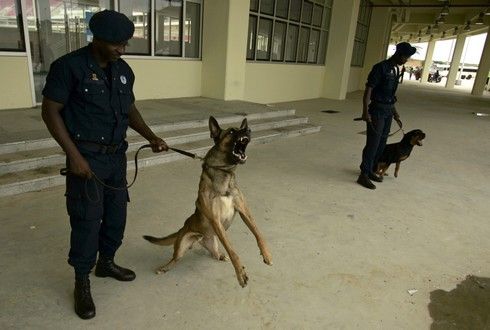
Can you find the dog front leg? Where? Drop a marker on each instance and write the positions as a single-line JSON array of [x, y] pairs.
[[396, 169], [246, 216], [213, 215]]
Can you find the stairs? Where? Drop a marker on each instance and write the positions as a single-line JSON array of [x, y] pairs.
[[34, 165]]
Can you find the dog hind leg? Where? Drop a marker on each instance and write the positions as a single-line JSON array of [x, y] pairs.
[[211, 244], [182, 244]]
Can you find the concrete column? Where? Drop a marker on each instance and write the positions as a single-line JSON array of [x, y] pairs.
[[340, 45], [428, 60], [483, 68], [378, 41], [224, 48], [455, 61]]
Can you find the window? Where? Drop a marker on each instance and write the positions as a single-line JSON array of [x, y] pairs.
[[168, 17], [140, 13], [317, 15], [292, 42], [192, 29], [282, 8], [295, 12], [313, 46], [252, 27], [264, 39], [11, 31], [278, 41], [304, 36], [306, 13], [267, 7], [362, 31], [288, 30]]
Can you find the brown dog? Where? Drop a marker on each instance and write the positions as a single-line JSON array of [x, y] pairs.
[[219, 199]]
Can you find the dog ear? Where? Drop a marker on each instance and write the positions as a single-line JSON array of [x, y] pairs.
[[244, 124], [214, 128]]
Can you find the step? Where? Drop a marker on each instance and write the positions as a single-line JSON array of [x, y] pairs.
[[170, 126], [32, 159], [33, 180]]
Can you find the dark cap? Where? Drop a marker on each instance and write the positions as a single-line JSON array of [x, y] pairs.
[[405, 49], [111, 26]]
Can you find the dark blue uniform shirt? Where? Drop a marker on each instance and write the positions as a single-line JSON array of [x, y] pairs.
[[383, 78], [95, 109]]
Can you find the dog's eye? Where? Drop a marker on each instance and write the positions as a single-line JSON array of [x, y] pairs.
[[232, 131]]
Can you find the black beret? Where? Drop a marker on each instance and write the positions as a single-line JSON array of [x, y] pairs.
[[405, 49], [111, 26]]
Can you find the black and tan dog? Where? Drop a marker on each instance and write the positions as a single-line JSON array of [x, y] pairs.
[[398, 152], [219, 199]]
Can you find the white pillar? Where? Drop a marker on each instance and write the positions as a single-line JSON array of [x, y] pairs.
[[224, 49], [378, 40], [343, 26], [428, 60], [483, 68], [455, 61]]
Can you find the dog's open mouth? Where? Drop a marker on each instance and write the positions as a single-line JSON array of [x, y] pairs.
[[239, 148], [419, 140]]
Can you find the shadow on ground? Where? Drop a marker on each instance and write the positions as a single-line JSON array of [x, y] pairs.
[[465, 307]]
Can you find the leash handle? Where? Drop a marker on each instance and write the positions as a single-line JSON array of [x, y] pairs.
[[65, 171], [135, 172]]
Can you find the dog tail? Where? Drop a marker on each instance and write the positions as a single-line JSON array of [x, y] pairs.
[[167, 240]]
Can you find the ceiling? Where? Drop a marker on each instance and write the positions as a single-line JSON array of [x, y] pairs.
[[414, 19]]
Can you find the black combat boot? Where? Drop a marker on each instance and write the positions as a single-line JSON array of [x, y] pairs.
[[376, 178], [107, 268], [364, 181], [84, 305]]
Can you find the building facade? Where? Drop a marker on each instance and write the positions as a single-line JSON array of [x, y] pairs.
[[254, 50]]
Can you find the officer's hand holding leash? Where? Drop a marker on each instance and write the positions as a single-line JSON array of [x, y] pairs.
[[158, 145], [80, 167], [366, 117]]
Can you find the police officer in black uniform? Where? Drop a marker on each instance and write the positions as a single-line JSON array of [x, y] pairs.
[[379, 110], [87, 106]]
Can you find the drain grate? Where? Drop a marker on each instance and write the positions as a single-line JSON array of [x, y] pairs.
[[330, 111]]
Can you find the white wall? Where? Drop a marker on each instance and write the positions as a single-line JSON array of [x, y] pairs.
[[15, 85], [354, 79], [159, 78], [265, 83]]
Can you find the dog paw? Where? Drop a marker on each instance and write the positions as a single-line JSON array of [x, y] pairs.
[[267, 258], [223, 257], [242, 277], [161, 270]]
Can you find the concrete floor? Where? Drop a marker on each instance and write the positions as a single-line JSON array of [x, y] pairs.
[[344, 256]]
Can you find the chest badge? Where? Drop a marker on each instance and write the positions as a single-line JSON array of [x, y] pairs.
[[94, 77], [123, 79]]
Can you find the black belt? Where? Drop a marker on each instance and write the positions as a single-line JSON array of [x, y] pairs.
[[382, 103], [98, 147]]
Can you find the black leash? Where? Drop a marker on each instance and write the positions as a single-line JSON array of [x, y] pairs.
[[375, 131], [65, 171]]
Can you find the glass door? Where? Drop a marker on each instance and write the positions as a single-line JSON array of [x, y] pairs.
[[57, 27]]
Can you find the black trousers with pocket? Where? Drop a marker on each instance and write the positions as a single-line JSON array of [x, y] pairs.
[[97, 214], [376, 135]]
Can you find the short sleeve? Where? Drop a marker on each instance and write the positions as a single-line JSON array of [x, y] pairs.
[[58, 82], [131, 75], [375, 76]]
